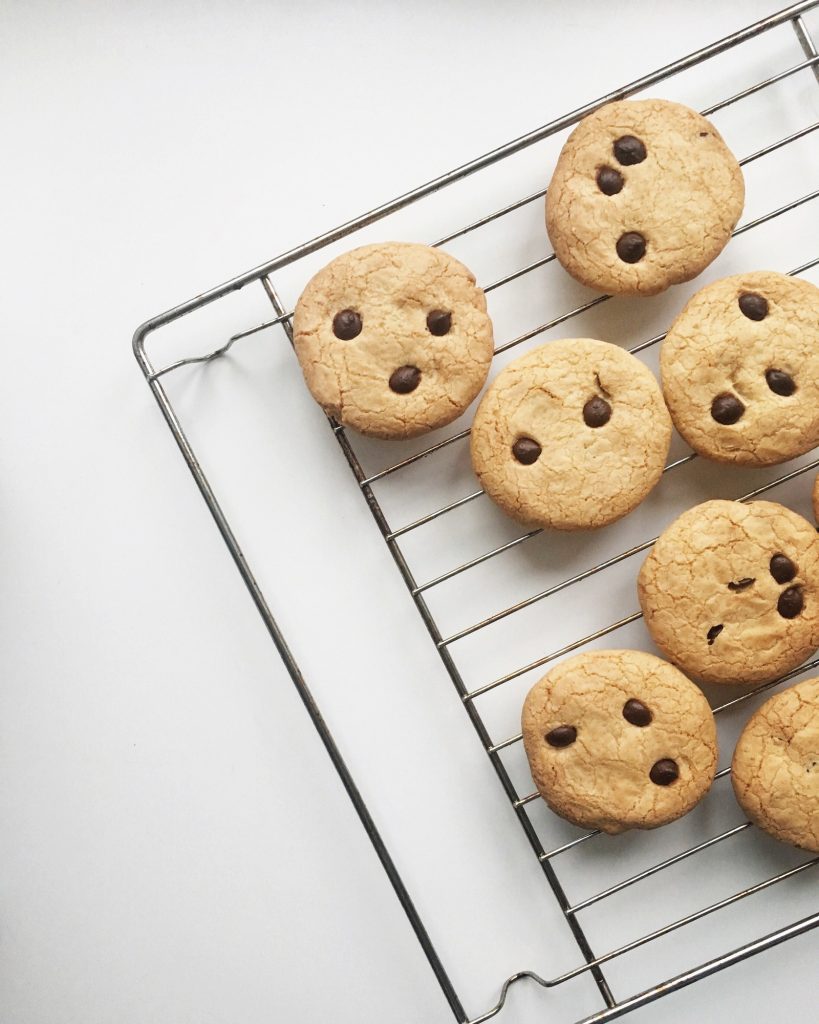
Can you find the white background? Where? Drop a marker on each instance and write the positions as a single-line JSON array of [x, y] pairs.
[[175, 846]]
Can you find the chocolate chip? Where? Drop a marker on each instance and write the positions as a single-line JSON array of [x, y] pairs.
[[346, 324], [790, 602], [439, 322], [713, 633], [742, 584], [780, 383], [782, 568], [636, 712], [703, 134], [754, 306], [629, 150], [526, 450], [727, 409], [596, 412], [631, 247], [562, 736], [609, 181], [664, 772], [405, 379]]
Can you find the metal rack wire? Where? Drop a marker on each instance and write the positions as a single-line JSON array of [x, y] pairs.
[[447, 641]]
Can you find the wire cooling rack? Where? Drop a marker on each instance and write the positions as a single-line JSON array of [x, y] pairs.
[[502, 560]]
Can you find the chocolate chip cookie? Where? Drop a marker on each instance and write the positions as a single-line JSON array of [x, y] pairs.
[[619, 740], [740, 369], [572, 435], [394, 339], [730, 591], [775, 771], [645, 195]]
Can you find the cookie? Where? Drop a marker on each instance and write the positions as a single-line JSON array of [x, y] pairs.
[[619, 740], [394, 339], [730, 591], [572, 435], [816, 499], [775, 771], [645, 195], [740, 369]]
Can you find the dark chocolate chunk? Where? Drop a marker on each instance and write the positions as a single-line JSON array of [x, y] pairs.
[[439, 322], [636, 712], [754, 306], [780, 383], [664, 772], [346, 324], [742, 584], [609, 181], [405, 379], [526, 450], [562, 736], [790, 603], [631, 247], [713, 633], [629, 150], [782, 568], [727, 409], [596, 412]]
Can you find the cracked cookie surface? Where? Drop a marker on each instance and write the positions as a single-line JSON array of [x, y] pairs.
[[645, 194], [394, 339], [572, 435], [730, 591], [619, 740], [775, 771], [740, 369]]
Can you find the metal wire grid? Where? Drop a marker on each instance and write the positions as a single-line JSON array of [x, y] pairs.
[[592, 964]]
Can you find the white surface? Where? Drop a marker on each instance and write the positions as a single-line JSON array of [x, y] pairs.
[[175, 846]]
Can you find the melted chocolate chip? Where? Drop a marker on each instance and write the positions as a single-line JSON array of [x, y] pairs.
[[727, 409], [754, 306], [609, 181], [526, 450], [713, 633], [405, 379], [596, 412], [346, 324], [790, 603], [439, 322], [562, 736], [664, 772], [742, 584], [629, 150], [631, 247], [782, 568], [636, 712], [780, 383]]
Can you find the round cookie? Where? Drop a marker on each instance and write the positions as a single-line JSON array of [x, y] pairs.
[[775, 771], [572, 435], [394, 339], [645, 195], [619, 740], [740, 369], [730, 591]]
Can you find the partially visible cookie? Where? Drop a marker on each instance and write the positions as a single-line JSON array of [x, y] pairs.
[[730, 591], [816, 499], [572, 435], [775, 771], [645, 195], [619, 740], [394, 339], [740, 369]]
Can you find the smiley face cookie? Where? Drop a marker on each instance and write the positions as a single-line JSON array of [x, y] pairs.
[[394, 339], [619, 740], [645, 195], [730, 591], [775, 771], [572, 435], [740, 369]]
